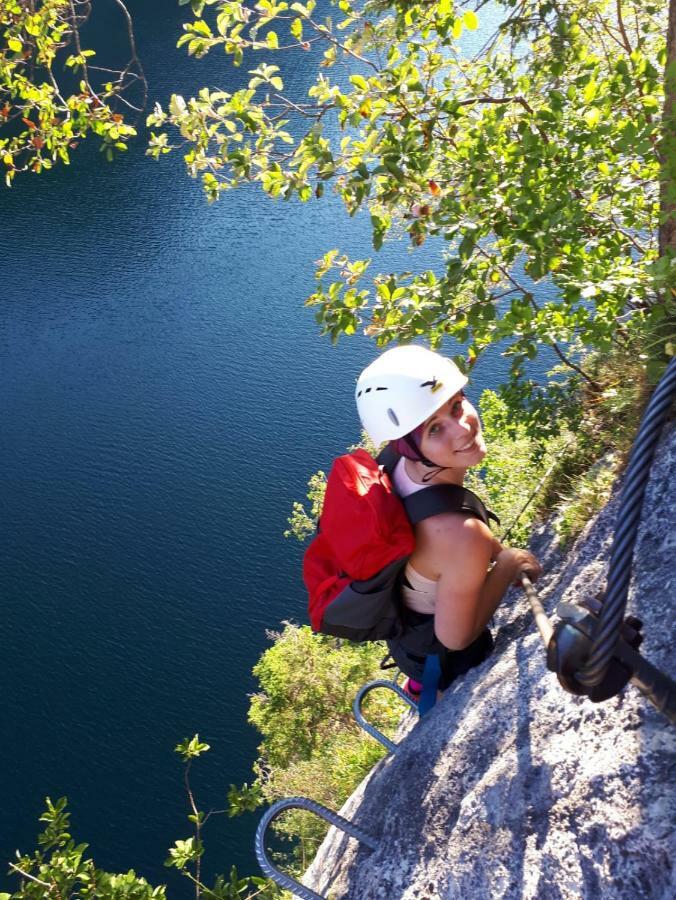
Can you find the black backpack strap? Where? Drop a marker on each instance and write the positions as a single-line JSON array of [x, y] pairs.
[[441, 498], [388, 458]]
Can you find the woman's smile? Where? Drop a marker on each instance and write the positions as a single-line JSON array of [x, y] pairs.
[[469, 446]]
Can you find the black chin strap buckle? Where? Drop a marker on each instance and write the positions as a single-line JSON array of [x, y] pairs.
[[570, 648]]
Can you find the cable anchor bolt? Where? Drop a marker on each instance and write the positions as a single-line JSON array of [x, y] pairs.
[[570, 648]]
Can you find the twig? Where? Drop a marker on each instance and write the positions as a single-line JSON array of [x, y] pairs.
[[289, 103], [195, 811], [528, 294], [134, 56], [50, 887], [564, 359], [78, 47], [620, 22], [320, 29]]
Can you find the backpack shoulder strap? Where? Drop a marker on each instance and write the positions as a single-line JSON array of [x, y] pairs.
[[388, 459], [441, 498]]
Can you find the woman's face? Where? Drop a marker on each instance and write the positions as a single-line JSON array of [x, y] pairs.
[[452, 437]]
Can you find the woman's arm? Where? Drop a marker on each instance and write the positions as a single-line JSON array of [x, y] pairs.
[[467, 594]]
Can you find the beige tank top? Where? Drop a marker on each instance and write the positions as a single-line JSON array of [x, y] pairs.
[[421, 593]]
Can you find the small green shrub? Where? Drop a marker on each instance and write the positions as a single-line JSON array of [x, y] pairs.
[[591, 493]]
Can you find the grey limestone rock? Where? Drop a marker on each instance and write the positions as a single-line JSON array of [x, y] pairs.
[[512, 788]]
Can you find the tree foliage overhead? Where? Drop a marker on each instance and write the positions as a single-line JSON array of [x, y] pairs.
[[538, 160], [52, 93]]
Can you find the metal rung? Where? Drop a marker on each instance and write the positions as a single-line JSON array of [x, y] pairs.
[[280, 878], [389, 745]]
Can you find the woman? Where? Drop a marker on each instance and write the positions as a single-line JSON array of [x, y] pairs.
[[458, 573]]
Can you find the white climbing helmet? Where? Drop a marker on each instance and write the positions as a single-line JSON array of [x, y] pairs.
[[402, 388]]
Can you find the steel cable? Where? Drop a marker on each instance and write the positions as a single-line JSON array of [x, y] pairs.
[[607, 629]]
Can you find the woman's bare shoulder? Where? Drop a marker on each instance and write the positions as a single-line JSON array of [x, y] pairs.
[[452, 542], [460, 528]]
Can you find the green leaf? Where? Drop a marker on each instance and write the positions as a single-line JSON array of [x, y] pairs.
[[191, 748], [590, 91], [470, 20], [272, 40], [592, 116], [184, 852]]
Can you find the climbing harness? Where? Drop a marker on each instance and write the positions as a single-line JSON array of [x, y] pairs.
[[281, 878], [431, 679], [594, 651]]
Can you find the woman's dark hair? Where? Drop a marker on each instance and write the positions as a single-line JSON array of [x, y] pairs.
[[409, 445]]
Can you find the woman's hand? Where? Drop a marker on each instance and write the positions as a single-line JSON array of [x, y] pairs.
[[496, 549], [520, 561]]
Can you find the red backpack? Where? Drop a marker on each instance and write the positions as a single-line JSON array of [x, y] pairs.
[[352, 567]]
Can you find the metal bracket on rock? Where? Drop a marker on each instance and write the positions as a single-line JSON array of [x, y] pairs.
[[280, 878], [389, 745], [570, 646]]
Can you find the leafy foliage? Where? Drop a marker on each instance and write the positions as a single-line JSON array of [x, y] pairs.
[[592, 491], [61, 869], [302, 522], [515, 468], [537, 161], [186, 854], [191, 748], [44, 113], [245, 798]]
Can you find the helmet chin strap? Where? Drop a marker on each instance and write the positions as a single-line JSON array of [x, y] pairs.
[[424, 460]]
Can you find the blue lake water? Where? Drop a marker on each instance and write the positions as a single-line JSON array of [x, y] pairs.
[[164, 397]]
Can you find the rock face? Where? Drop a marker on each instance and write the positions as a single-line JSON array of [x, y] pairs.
[[513, 788]]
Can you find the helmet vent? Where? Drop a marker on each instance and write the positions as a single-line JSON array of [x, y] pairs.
[[381, 389], [393, 416]]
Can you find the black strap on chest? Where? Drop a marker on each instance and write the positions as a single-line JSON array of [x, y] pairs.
[[437, 498]]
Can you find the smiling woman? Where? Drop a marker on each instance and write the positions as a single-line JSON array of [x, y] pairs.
[[458, 573]]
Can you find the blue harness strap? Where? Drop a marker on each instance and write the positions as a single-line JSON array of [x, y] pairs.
[[431, 676]]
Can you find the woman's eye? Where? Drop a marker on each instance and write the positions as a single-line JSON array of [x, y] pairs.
[[434, 429]]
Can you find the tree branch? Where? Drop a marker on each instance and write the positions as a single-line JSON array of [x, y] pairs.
[[620, 22], [320, 29], [193, 806], [134, 55], [45, 884]]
